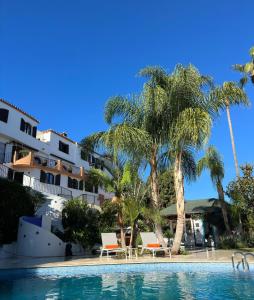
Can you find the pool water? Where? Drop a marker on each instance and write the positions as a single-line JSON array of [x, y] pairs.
[[132, 281]]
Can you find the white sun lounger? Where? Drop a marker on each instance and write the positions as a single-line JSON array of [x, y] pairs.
[[110, 239], [150, 238]]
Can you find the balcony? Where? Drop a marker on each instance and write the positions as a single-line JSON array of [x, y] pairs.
[[29, 159]]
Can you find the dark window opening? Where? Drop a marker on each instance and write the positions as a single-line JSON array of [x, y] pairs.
[[64, 147], [81, 185], [84, 155], [75, 184], [47, 178], [4, 113], [28, 128]]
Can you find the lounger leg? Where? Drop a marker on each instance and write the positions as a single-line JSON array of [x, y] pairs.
[[107, 254], [101, 252]]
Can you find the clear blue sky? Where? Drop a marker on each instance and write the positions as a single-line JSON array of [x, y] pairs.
[[61, 60]]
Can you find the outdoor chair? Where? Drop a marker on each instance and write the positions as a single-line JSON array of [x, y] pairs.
[[150, 243], [110, 244]]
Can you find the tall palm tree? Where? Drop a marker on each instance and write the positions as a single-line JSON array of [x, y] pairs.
[[247, 69], [172, 113], [136, 129], [227, 95], [184, 111], [213, 162]]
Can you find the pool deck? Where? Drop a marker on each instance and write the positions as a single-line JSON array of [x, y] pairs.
[[201, 256]]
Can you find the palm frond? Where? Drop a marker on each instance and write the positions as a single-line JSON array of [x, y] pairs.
[[123, 108], [211, 161]]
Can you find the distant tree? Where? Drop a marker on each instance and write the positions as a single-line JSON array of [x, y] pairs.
[[81, 223], [227, 95], [246, 69], [15, 201], [241, 192], [214, 164], [166, 188]]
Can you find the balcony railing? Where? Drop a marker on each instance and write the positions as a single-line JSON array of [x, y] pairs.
[[89, 198], [35, 184], [52, 189]]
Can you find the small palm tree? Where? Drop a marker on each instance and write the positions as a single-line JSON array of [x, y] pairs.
[[247, 69], [227, 95], [113, 184], [213, 162]]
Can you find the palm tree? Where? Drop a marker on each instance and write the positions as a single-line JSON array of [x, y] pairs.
[[185, 113], [225, 96], [171, 115], [213, 162], [247, 69], [138, 133], [114, 184]]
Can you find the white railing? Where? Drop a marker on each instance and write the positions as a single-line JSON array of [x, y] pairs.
[[90, 198], [35, 184]]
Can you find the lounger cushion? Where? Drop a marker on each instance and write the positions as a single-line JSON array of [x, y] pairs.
[[153, 245], [113, 246]]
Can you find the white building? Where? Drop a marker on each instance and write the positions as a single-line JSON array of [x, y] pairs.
[[47, 161]]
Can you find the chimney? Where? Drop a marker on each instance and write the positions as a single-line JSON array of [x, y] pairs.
[[64, 134]]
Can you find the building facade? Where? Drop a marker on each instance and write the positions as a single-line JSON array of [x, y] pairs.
[[46, 160]]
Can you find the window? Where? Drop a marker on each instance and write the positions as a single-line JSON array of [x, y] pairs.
[[81, 185], [47, 178], [64, 147], [75, 184], [89, 187], [84, 155], [4, 113], [28, 128]]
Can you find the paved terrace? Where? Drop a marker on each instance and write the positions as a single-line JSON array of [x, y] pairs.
[[193, 256]]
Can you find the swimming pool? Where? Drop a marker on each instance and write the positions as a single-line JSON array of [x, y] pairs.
[[129, 281]]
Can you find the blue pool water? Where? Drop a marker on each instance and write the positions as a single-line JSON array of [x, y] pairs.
[[134, 281]]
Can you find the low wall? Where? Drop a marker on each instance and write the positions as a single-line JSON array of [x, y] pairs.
[[35, 241]]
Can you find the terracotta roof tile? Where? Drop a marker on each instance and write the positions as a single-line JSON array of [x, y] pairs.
[[18, 109]]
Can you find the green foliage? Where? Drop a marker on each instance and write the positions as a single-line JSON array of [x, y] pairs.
[[241, 192], [81, 223], [166, 188], [247, 69], [232, 242], [229, 94], [213, 163], [108, 220], [15, 201]]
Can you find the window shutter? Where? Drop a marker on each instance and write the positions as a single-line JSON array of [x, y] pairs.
[[57, 179], [69, 182], [43, 177], [34, 131], [81, 185], [10, 174], [22, 125], [4, 113]]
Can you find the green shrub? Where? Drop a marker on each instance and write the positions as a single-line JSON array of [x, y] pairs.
[[81, 223], [15, 201]]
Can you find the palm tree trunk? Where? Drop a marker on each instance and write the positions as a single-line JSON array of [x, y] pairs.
[[179, 190], [223, 206], [232, 140], [120, 223], [155, 194]]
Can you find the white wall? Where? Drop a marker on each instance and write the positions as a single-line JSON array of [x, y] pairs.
[[35, 241]]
